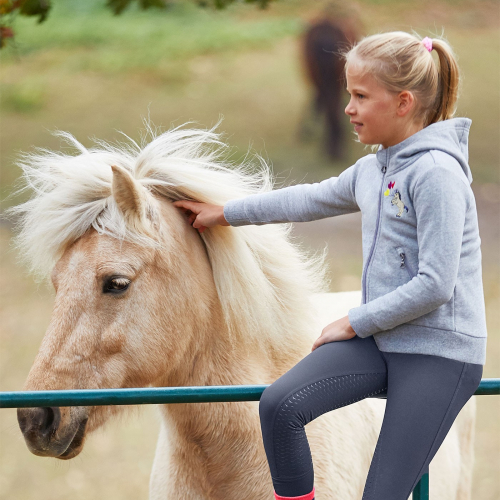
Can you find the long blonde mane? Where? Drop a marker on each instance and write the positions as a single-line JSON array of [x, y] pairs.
[[263, 278]]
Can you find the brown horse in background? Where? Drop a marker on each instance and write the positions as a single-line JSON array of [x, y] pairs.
[[324, 69]]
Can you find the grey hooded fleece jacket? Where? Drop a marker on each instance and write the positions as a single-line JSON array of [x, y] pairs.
[[422, 281]]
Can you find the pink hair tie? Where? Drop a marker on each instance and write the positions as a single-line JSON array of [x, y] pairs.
[[427, 43]]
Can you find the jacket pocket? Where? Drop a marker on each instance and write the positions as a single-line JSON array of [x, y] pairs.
[[441, 317], [403, 262]]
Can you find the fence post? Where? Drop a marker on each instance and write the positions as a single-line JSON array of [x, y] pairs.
[[421, 491]]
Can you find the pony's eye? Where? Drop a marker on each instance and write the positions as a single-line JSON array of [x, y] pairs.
[[116, 285]]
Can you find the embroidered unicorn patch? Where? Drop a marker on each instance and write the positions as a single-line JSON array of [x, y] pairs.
[[396, 200]]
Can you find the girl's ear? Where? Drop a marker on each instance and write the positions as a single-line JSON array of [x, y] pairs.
[[130, 197], [406, 102]]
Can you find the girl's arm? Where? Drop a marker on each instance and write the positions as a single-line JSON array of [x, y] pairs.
[[299, 203], [440, 201]]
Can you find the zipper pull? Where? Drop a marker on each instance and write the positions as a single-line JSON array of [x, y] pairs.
[[384, 169], [402, 255]]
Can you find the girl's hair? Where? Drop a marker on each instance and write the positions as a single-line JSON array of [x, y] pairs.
[[399, 61]]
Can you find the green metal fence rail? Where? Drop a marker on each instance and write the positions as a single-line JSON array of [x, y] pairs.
[[171, 395]]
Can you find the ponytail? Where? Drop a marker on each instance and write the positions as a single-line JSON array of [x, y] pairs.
[[448, 83]]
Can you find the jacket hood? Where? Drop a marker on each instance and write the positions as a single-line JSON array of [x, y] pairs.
[[450, 136]]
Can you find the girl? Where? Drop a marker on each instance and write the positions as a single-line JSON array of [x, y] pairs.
[[420, 332]]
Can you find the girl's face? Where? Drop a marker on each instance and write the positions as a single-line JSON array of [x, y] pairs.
[[378, 116]]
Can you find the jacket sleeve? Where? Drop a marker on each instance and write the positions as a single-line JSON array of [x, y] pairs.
[[440, 200], [299, 203]]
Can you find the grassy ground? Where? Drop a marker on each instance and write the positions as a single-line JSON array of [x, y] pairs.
[[90, 73]]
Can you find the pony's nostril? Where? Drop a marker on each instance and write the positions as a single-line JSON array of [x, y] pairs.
[[41, 422], [48, 419]]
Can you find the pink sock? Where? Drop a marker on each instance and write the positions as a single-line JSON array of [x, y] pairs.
[[309, 496]]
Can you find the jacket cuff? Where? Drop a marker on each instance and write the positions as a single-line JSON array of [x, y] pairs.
[[361, 322], [234, 213]]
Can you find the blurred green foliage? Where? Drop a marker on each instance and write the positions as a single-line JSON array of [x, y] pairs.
[[41, 8], [38, 8], [142, 39], [118, 6], [9, 8]]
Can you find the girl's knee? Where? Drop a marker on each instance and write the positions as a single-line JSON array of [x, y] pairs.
[[268, 403], [272, 398], [271, 407]]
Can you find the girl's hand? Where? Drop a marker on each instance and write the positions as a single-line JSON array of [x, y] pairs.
[[338, 330], [202, 215]]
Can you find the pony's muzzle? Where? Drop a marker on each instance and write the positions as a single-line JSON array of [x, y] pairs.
[[47, 436]]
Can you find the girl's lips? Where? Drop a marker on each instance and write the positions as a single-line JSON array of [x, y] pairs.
[[357, 126]]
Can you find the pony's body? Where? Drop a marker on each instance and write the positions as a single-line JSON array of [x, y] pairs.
[[143, 299], [188, 465]]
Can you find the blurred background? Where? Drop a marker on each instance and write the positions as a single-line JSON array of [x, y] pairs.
[[89, 72]]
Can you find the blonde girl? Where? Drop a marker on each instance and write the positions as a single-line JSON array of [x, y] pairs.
[[420, 331]]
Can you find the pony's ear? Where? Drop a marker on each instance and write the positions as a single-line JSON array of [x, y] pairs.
[[129, 196]]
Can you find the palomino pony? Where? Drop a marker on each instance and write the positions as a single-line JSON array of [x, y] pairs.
[[144, 299]]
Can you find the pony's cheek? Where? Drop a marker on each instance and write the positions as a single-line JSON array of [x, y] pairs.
[[113, 342]]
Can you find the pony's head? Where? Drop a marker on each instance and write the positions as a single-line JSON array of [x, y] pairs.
[[397, 197], [142, 298]]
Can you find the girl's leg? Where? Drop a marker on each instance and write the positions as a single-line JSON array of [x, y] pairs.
[[335, 374], [424, 396]]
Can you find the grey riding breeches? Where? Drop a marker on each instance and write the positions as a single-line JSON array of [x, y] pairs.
[[425, 393]]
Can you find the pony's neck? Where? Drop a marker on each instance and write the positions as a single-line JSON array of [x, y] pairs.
[[208, 439], [220, 432], [211, 359]]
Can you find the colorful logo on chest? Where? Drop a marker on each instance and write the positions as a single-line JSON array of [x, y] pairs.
[[396, 200]]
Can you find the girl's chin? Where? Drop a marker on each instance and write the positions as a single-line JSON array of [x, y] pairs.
[[367, 142], [363, 139]]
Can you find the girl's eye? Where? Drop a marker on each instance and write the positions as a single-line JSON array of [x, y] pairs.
[[116, 285], [361, 95]]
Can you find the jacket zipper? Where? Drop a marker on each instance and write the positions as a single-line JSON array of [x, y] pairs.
[[384, 169]]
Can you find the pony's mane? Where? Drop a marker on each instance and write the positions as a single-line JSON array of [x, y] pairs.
[[257, 270]]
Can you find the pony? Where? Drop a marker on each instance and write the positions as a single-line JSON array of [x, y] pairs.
[[143, 299]]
